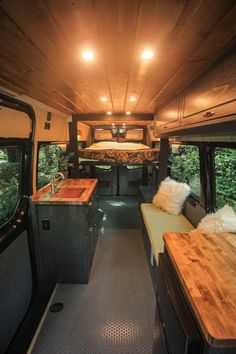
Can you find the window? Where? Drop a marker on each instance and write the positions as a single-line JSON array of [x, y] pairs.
[[225, 176], [52, 158], [10, 162], [156, 144], [185, 166]]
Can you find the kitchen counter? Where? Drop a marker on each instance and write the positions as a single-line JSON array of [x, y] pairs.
[[65, 232], [205, 264], [69, 191]]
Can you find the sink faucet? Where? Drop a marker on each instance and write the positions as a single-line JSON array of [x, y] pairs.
[[53, 182]]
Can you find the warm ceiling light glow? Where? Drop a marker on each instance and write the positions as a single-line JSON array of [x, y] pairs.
[[87, 55], [124, 124], [148, 54], [128, 113], [109, 113], [104, 99], [132, 99]]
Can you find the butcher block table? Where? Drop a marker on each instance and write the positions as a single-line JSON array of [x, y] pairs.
[[205, 264]]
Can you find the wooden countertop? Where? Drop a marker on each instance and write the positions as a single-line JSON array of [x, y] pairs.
[[206, 266], [69, 191]]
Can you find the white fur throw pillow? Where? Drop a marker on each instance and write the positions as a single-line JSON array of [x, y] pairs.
[[171, 196], [224, 220]]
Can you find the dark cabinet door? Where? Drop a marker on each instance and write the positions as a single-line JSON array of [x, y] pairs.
[[181, 333], [62, 248], [92, 227], [168, 118]]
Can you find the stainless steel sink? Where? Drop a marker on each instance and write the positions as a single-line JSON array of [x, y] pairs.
[[69, 193]]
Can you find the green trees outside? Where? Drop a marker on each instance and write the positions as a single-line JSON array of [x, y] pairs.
[[47, 163], [225, 177], [184, 162], [185, 166], [51, 160], [9, 181]]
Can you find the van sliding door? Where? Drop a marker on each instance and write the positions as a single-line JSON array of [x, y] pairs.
[[16, 144]]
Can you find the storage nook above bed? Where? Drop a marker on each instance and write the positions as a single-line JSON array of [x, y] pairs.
[[117, 150]]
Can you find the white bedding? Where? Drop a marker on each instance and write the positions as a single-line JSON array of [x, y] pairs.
[[117, 146]]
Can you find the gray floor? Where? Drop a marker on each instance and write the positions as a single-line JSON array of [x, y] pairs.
[[115, 312]]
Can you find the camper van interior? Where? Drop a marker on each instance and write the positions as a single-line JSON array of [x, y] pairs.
[[118, 177]]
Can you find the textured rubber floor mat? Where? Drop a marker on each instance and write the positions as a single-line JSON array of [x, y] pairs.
[[115, 312]]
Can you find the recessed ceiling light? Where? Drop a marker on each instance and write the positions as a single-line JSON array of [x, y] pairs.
[[132, 99], [124, 124], [109, 113], [104, 99], [87, 55], [147, 54], [128, 113]]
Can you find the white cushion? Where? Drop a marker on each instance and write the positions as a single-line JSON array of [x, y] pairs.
[[171, 196], [158, 221], [224, 220]]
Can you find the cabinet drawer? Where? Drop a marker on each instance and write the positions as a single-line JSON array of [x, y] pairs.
[[167, 126], [225, 110]]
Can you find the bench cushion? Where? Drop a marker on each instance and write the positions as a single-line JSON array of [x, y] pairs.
[[158, 221]]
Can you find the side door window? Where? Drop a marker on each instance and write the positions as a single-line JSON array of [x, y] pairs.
[[185, 166], [225, 177]]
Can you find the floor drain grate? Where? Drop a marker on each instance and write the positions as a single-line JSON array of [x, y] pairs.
[[56, 307]]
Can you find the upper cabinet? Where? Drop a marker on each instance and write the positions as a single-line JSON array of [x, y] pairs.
[[213, 95], [169, 117], [209, 99]]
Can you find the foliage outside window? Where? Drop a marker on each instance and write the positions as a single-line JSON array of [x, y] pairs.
[[225, 177], [52, 158], [9, 181], [185, 166]]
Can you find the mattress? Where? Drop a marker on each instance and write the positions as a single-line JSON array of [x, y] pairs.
[[114, 145], [122, 153]]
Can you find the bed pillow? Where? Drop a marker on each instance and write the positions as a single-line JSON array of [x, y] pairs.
[[224, 220], [171, 196]]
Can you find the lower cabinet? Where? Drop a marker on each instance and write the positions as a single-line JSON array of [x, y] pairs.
[[181, 333], [64, 241], [181, 330]]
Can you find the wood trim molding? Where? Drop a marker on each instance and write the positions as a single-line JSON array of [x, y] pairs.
[[111, 118]]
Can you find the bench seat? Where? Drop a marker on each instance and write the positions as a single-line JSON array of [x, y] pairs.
[[157, 222]]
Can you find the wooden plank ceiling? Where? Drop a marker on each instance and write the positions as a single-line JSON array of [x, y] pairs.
[[41, 42]]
